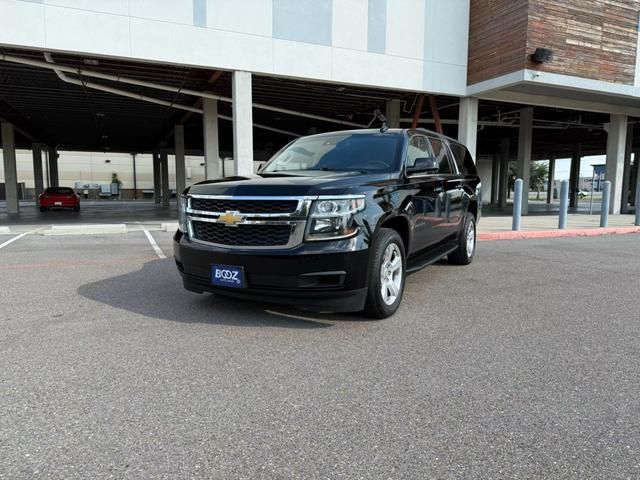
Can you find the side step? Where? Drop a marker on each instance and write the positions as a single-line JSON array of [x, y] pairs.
[[430, 257]]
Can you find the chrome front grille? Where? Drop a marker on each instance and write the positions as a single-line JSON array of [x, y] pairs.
[[247, 222]]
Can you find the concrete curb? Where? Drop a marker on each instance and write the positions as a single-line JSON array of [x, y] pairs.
[[99, 229], [170, 226], [4, 230], [586, 232]]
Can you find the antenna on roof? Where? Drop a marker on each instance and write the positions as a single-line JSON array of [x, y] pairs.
[[377, 114]]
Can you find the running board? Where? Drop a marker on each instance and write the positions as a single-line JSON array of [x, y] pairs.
[[431, 257]]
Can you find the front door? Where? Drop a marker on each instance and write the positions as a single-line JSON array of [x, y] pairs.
[[428, 196], [450, 214]]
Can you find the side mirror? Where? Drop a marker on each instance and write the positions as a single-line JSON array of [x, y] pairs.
[[426, 165]]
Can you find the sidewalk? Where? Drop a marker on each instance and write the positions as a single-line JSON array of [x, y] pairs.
[[546, 226]]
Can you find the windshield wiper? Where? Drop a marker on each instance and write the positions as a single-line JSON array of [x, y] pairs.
[[325, 169]]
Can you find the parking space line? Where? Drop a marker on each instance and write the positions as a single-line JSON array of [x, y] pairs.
[[155, 246], [13, 239]]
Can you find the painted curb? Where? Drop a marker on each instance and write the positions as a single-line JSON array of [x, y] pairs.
[[585, 232]]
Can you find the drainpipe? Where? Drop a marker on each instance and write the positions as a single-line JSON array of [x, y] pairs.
[[115, 91], [60, 69]]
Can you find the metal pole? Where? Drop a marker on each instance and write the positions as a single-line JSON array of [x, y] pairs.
[[638, 205], [517, 204], [606, 197], [564, 204], [593, 186]]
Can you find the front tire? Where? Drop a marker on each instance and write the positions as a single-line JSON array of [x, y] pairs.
[[463, 255], [43, 209], [387, 273]]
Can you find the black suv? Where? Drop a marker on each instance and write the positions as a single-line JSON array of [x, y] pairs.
[[333, 222]]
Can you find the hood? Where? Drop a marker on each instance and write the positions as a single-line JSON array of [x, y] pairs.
[[319, 183]]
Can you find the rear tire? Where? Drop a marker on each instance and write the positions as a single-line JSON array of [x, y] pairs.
[[463, 255], [387, 274], [76, 209], [43, 209]]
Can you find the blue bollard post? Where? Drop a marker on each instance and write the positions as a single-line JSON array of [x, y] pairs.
[[517, 204], [606, 200], [564, 204], [638, 205]]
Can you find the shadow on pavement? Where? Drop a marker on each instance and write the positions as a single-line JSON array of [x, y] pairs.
[[156, 291]]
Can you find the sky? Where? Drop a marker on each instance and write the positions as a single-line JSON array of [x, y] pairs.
[[564, 164]]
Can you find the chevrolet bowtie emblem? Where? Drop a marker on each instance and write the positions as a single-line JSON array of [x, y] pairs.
[[231, 219]]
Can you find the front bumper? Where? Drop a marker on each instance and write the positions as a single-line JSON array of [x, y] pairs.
[[321, 276]]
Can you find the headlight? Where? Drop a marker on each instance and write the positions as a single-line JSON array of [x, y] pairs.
[[182, 213], [333, 218]]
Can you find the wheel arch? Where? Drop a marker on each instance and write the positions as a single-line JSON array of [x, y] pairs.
[[401, 225]]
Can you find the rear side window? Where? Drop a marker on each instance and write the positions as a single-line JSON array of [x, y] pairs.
[[463, 159], [440, 152]]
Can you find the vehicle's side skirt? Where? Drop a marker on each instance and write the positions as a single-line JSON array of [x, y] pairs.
[[432, 256]]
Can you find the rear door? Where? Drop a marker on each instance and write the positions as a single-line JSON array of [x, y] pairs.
[[427, 191], [450, 214]]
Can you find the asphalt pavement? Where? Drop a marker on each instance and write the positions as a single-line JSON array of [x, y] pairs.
[[525, 364]]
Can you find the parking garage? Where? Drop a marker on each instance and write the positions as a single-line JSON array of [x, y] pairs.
[[168, 126]]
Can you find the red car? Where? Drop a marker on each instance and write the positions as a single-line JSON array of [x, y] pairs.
[[59, 197]]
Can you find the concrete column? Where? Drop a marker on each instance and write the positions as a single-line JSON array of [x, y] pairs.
[[242, 124], [10, 169], [54, 180], [626, 177], [495, 178], [504, 173], [157, 185], [178, 137], [635, 177], [135, 177], [164, 177], [212, 161], [616, 144], [550, 184], [392, 113], [574, 175], [468, 124], [525, 146], [38, 179]]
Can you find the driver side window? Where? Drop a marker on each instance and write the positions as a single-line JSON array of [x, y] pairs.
[[418, 148]]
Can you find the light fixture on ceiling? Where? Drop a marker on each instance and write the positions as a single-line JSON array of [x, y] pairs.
[[90, 61]]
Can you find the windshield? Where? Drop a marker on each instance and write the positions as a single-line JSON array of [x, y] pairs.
[[340, 152]]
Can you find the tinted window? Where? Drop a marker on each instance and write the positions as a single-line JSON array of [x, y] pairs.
[[340, 152], [418, 148], [59, 191], [440, 152], [463, 159]]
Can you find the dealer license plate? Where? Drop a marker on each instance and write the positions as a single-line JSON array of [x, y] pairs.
[[228, 276]]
